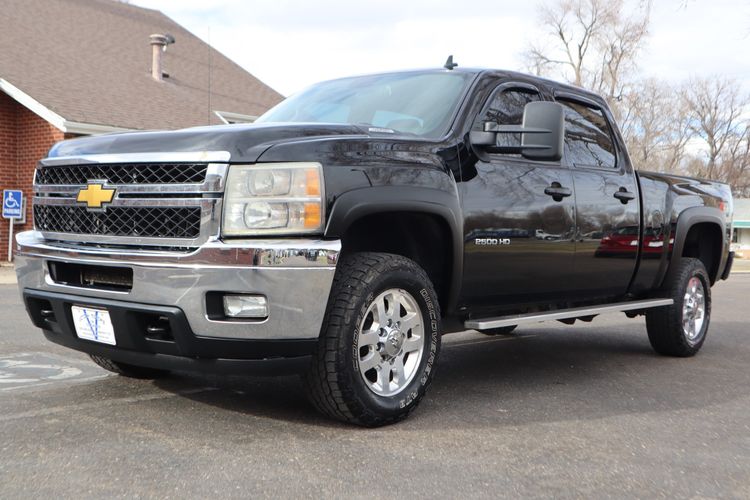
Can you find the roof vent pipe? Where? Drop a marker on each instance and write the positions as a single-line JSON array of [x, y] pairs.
[[158, 47]]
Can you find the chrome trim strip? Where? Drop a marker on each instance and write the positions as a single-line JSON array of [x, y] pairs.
[[576, 312], [128, 202], [281, 253], [186, 157], [216, 174]]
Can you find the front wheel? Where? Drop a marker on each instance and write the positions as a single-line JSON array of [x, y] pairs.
[[680, 329], [379, 341]]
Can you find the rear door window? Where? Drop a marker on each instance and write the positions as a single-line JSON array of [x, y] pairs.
[[588, 138]]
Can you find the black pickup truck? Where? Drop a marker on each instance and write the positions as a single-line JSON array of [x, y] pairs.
[[355, 223]]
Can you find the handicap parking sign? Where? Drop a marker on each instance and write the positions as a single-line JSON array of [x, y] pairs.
[[12, 203]]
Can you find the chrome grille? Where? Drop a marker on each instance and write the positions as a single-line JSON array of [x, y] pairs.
[[146, 222], [170, 199], [124, 173]]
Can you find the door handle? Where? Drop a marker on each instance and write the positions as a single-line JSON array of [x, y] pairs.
[[624, 195], [557, 192]]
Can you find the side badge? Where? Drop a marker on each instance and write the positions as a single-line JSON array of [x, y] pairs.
[[484, 242]]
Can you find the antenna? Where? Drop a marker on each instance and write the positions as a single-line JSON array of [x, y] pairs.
[[449, 64]]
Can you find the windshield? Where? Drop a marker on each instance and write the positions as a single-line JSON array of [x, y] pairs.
[[416, 103]]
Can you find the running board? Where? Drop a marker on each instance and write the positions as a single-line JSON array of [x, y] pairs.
[[576, 312]]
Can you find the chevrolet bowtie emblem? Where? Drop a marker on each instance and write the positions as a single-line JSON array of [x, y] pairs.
[[95, 195]]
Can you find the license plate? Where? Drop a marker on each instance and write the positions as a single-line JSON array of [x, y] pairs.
[[93, 324]]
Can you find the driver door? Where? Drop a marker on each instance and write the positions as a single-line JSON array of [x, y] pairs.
[[519, 240]]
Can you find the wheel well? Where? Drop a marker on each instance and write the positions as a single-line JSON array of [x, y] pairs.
[[704, 242], [423, 238]]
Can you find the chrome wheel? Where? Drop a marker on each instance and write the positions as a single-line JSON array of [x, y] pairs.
[[693, 310], [390, 342]]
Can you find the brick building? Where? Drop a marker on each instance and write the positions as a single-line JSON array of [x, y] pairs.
[[75, 67]]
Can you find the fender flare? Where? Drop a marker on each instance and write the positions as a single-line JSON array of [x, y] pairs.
[[686, 220], [353, 205]]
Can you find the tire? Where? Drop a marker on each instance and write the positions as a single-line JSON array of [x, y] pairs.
[[127, 370], [354, 376], [503, 330], [665, 327]]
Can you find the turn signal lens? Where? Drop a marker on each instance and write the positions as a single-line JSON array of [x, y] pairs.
[[312, 184], [312, 215]]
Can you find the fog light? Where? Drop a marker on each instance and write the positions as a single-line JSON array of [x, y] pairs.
[[245, 306]]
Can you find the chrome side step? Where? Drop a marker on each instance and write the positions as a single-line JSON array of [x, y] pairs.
[[576, 312]]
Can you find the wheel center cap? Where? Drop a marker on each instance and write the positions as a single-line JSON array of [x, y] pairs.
[[394, 339]]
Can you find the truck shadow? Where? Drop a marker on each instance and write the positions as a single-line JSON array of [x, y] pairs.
[[539, 375]]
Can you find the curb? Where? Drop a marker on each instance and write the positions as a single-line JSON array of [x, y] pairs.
[[7, 274]]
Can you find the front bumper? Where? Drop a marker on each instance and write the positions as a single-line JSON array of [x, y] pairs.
[[176, 347], [294, 275]]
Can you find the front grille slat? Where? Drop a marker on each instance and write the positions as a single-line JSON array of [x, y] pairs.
[[123, 173], [145, 222]]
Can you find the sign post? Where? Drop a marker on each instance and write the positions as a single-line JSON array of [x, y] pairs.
[[12, 210]]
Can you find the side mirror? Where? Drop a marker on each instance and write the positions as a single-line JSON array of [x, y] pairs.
[[542, 133]]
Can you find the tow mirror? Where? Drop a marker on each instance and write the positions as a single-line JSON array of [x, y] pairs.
[[542, 133]]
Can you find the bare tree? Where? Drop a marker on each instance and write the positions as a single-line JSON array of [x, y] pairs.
[[715, 105], [595, 44], [591, 43], [572, 26], [619, 46], [735, 162], [656, 125]]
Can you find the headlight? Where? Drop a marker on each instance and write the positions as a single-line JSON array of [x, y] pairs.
[[274, 198]]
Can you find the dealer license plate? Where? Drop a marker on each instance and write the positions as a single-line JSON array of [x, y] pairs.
[[93, 324]]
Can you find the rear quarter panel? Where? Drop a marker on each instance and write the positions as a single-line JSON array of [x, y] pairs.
[[665, 198]]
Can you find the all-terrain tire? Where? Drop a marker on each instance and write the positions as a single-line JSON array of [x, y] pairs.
[[503, 330], [669, 328], [127, 370], [334, 382]]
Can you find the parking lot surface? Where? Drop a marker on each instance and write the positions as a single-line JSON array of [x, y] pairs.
[[554, 411]]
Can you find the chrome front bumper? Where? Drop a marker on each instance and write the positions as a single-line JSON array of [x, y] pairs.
[[295, 275]]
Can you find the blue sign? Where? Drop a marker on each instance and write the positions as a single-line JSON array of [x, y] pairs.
[[12, 203]]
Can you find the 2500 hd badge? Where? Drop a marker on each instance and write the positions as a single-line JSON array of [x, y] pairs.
[[354, 224], [491, 241]]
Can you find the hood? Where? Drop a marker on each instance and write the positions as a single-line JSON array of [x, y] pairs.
[[245, 143]]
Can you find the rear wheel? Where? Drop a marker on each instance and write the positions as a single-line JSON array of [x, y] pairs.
[[127, 370], [379, 341], [681, 329]]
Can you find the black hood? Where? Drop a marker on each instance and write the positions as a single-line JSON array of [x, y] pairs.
[[245, 143]]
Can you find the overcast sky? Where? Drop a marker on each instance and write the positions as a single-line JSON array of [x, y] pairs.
[[290, 44]]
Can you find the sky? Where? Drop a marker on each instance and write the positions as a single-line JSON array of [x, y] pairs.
[[290, 44]]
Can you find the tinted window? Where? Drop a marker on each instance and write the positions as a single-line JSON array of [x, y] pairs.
[[506, 108], [417, 103], [587, 139]]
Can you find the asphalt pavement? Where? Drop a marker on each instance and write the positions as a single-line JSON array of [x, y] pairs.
[[554, 411]]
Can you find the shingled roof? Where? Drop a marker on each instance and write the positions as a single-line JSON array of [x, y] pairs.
[[88, 62]]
